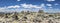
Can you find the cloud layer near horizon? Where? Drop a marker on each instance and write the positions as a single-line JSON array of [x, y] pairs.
[[21, 6]]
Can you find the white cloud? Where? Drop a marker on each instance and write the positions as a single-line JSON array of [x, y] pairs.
[[56, 4], [2, 8], [50, 7], [6, 8], [18, 0], [50, 0], [49, 4], [42, 5], [16, 6], [31, 6]]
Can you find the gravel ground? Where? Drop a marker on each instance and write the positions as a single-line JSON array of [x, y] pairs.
[[30, 18]]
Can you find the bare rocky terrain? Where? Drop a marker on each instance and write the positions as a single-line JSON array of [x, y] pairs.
[[30, 17]]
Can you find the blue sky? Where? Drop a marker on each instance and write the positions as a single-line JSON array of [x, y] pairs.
[[32, 5]]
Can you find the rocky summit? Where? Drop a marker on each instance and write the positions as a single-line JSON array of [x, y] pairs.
[[30, 17]]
